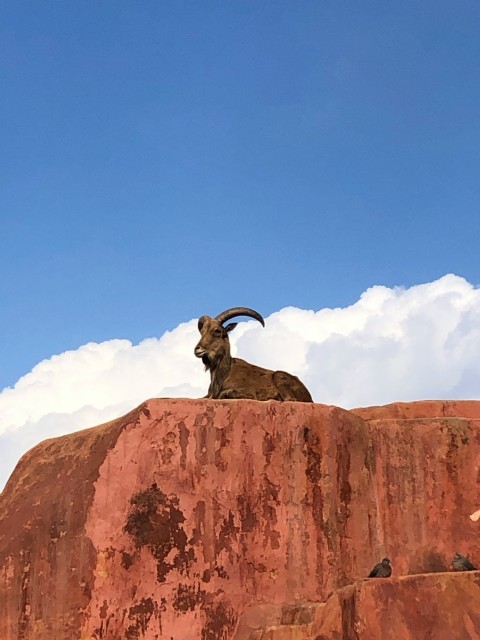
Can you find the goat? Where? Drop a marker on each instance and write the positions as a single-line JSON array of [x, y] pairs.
[[236, 378]]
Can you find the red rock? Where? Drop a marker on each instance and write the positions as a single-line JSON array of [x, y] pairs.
[[422, 409], [437, 606], [201, 520]]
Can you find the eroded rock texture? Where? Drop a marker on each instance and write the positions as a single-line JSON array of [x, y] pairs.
[[214, 520]]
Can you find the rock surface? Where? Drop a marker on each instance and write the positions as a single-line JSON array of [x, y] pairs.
[[214, 520]]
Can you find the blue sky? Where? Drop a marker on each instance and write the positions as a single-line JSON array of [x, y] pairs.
[[161, 160]]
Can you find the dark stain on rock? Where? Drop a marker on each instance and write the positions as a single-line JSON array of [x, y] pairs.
[[131, 633], [168, 447], [268, 447], [220, 571], [184, 432], [86, 589], [199, 515], [187, 597], [370, 460], [430, 561], [456, 430], [248, 518], [140, 615], [296, 614], [312, 452], [228, 533], [23, 618], [127, 560], [323, 529], [202, 424], [270, 501], [220, 622], [105, 619], [155, 521], [223, 441], [104, 609], [55, 528], [348, 615]]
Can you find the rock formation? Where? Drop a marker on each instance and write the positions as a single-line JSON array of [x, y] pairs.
[[245, 520]]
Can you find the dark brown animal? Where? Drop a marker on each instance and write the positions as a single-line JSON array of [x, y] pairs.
[[236, 378], [381, 570], [462, 563]]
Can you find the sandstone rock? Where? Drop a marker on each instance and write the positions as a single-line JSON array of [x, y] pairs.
[[202, 520], [441, 606], [422, 409]]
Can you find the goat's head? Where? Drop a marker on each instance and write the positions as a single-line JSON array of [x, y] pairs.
[[214, 344]]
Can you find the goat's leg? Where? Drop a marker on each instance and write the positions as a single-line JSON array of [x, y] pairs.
[[233, 394]]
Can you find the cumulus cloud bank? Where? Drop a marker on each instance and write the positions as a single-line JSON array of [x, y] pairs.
[[392, 344]]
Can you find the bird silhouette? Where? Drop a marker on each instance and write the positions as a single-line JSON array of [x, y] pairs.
[[462, 563], [381, 570]]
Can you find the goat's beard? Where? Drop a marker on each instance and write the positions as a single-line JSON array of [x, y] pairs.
[[212, 360]]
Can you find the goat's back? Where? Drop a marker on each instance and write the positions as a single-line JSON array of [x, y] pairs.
[[290, 387], [246, 380]]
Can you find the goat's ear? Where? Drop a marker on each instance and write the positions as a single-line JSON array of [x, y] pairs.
[[230, 326], [201, 320]]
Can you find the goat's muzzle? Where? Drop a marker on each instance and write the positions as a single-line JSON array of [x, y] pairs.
[[203, 354], [199, 352]]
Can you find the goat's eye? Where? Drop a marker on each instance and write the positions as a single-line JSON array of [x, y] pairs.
[[217, 333]]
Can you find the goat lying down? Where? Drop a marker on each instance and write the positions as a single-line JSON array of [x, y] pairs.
[[236, 378]]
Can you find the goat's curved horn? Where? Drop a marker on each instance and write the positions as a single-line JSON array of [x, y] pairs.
[[228, 314]]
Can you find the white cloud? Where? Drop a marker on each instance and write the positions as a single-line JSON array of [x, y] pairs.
[[392, 344]]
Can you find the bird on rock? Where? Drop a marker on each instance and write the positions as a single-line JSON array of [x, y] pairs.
[[381, 570], [461, 563]]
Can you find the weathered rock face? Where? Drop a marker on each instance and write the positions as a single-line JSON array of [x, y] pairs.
[[202, 520], [436, 606]]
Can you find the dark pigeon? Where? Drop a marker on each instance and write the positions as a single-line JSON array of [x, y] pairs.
[[381, 570], [461, 563]]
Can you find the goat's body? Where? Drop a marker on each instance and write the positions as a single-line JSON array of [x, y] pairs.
[[245, 380], [237, 378]]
